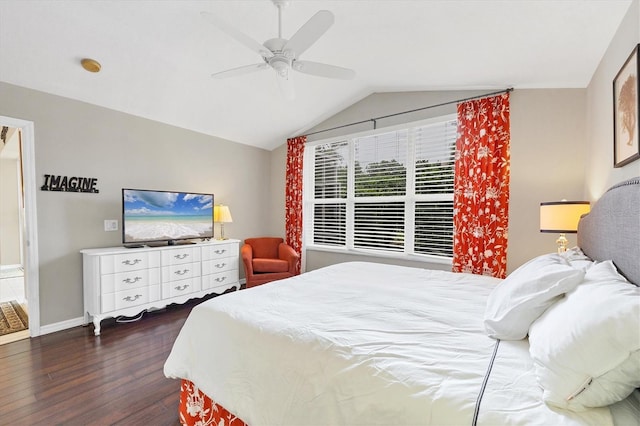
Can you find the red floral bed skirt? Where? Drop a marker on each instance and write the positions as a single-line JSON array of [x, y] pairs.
[[196, 408]]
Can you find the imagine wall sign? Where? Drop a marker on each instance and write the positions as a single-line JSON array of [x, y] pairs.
[[69, 184]]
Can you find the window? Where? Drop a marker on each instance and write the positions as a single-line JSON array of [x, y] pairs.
[[384, 192]]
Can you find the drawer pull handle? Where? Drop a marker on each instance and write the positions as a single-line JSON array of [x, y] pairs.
[[132, 299], [220, 251], [220, 279], [220, 265], [131, 281], [131, 262], [182, 287], [181, 256], [184, 271]]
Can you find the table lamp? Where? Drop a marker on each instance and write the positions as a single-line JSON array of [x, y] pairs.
[[562, 217], [221, 215]]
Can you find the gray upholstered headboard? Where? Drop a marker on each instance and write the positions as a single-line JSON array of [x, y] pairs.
[[611, 231]]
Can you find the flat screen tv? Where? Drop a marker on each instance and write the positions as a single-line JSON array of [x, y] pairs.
[[165, 217]]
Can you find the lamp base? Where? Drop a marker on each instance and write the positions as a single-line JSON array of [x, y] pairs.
[[222, 237], [562, 243]]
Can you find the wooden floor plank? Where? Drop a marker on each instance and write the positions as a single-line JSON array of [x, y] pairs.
[[73, 377]]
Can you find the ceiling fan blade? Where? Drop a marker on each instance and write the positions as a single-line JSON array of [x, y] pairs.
[[246, 69], [285, 82], [323, 70], [237, 34], [310, 32]]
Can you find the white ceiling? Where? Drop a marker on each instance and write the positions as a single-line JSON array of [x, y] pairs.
[[157, 56]]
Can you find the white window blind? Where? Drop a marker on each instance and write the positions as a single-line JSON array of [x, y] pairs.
[[390, 191], [434, 168], [330, 167]]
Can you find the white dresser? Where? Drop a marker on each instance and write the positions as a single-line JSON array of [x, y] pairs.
[[124, 282]]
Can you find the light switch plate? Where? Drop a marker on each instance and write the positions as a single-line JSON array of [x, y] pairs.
[[111, 225]]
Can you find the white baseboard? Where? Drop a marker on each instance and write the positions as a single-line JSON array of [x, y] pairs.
[[10, 267], [62, 325]]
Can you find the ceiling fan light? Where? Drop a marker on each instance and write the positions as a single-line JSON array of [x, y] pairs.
[[284, 73], [281, 66]]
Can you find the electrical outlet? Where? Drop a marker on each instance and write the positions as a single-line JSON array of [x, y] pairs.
[[111, 225]]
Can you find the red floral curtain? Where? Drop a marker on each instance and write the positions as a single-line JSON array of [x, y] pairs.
[[481, 187], [293, 195]]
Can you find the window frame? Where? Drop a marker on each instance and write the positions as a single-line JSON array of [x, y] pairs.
[[410, 198]]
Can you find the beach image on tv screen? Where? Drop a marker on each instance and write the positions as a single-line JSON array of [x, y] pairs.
[[157, 215]]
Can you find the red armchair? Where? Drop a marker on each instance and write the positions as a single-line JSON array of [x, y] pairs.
[[268, 259]]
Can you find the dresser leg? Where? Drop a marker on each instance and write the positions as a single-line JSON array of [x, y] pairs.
[[96, 325]]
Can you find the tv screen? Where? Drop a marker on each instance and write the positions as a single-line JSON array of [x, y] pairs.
[[165, 216]]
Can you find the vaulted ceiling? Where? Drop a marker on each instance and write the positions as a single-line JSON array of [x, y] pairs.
[[158, 56]]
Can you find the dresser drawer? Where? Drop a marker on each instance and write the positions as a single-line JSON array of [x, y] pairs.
[[129, 262], [222, 279], [180, 255], [127, 280], [219, 265], [128, 298], [178, 288], [180, 271], [219, 251]]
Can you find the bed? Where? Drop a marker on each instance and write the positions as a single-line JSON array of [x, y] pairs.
[[368, 344]]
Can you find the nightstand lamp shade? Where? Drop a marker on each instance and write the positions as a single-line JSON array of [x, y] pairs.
[[221, 215], [562, 217]]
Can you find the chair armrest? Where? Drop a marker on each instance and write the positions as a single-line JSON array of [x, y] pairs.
[[286, 252], [246, 253]]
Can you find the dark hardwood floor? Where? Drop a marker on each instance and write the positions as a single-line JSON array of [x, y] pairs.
[[74, 378]]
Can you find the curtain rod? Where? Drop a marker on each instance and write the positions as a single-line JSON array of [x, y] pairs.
[[375, 119]]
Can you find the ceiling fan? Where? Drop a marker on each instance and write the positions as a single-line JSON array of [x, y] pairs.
[[281, 54]]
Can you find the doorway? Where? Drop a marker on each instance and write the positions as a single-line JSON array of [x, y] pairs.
[[19, 281], [14, 322]]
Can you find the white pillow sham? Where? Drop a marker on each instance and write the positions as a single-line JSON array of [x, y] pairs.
[[526, 293], [586, 348]]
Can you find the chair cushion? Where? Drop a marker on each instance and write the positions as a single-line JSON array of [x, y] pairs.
[[261, 265], [264, 247], [259, 279]]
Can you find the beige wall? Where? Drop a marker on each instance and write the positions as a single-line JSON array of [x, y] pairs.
[[120, 150], [547, 164], [278, 173], [547, 158], [600, 173]]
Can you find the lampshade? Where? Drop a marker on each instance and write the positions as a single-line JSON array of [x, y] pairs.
[[562, 216], [221, 214]]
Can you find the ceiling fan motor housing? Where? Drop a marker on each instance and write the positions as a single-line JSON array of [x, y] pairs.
[[276, 46], [281, 60]]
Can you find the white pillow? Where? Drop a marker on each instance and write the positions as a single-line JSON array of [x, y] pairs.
[[526, 293], [577, 259], [586, 348]]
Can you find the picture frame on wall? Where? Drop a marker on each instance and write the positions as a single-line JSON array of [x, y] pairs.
[[626, 107]]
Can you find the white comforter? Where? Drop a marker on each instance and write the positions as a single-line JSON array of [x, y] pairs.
[[361, 344]]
